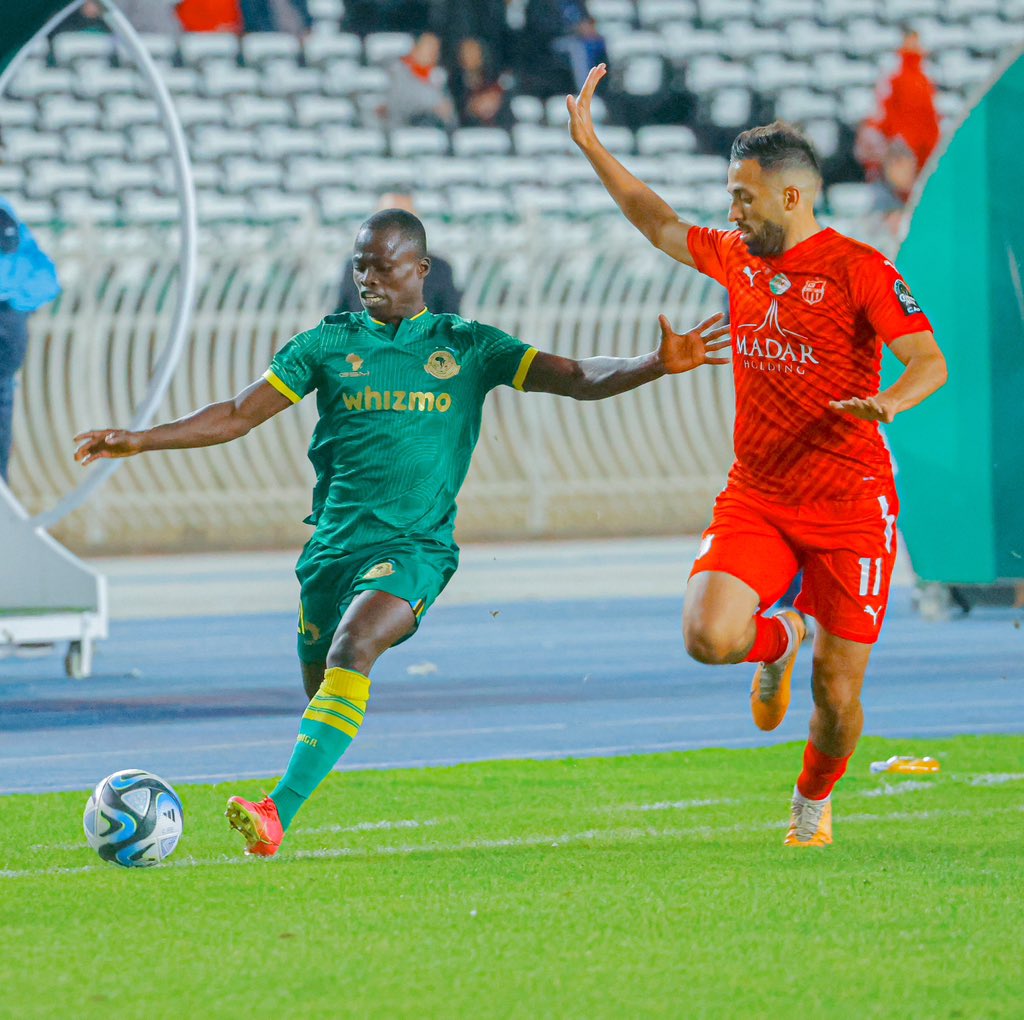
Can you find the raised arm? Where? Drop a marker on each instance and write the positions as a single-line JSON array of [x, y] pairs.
[[597, 378], [645, 209], [213, 424]]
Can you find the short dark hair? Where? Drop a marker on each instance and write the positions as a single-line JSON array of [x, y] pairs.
[[776, 146], [405, 223]]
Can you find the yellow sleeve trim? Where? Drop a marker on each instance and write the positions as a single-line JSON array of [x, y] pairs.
[[281, 387], [524, 367]]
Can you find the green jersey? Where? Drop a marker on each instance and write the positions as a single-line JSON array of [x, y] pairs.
[[399, 417]]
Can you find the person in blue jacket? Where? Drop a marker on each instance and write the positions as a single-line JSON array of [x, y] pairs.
[[28, 280]]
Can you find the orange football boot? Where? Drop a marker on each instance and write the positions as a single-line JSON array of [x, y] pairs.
[[258, 823], [810, 822], [772, 686]]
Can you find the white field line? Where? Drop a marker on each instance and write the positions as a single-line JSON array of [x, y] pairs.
[[602, 836], [406, 823], [897, 789], [991, 778]]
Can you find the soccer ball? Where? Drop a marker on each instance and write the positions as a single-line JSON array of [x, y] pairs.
[[133, 818]]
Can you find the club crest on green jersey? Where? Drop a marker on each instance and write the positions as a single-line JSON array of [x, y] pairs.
[[442, 365], [385, 569]]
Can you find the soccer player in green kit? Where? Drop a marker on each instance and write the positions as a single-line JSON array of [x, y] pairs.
[[399, 393]]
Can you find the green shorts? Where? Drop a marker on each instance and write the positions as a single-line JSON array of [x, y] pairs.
[[330, 579]]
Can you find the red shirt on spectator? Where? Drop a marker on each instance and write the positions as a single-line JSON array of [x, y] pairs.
[[210, 16]]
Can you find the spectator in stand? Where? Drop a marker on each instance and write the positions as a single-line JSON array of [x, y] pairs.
[[210, 16], [480, 98], [156, 17], [486, 20], [366, 16], [276, 16], [28, 280], [896, 142], [439, 291], [88, 18], [417, 95], [561, 42]]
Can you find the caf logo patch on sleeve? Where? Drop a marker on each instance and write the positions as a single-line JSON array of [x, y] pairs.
[[910, 306]]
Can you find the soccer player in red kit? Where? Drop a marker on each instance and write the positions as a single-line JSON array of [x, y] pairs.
[[811, 486]]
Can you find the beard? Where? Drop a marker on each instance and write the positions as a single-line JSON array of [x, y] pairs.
[[767, 241]]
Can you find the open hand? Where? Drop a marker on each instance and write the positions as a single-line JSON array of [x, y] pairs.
[[865, 408], [680, 352], [105, 443], [581, 125]]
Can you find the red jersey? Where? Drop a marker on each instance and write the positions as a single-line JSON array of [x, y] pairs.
[[807, 328]]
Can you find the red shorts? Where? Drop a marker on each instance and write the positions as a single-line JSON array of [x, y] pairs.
[[846, 549]]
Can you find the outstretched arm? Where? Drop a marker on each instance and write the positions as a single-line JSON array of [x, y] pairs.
[[597, 378], [213, 424], [924, 373], [646, 210]]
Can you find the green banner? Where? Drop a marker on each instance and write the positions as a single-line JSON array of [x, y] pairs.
[[21, 21], [960, 455]]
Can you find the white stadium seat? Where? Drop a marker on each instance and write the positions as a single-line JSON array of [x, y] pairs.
[[617, 138], [352, 80], [35, 211], [383, 48], [477, 202], [443, 173], [387, 174], [276, 205], [528, 201], [561, 171], [28, 143], [242, 174], [112, 176], [216, 142], [418, 141], [220, 79], [87, 143], [216, 207], [70, 47], [731, 108], [538, 139], [59, 112], [146, 141], [161, 48], [800, 105], [94, 79], [344, 205], [75, 207], [348, 142], [285, 78], [509, 170], [323, 49], [614, 10], [324, 111], [181, 80], [32, 80], [655, 13], [852, 199], [277, 141], [259, 47], [18, 113], [309, 173], [12, 177], [145, 207], [258, 111], [123, 111], [655, 139], [45, 177], [196, 110], [481, 141], [199, 48], [527, 109]]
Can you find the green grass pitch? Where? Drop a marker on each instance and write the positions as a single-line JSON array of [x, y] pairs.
[[650, 886]]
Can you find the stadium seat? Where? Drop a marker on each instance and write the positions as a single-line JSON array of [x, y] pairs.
[[443, 173], [642, 75], [352, 80], [216, 207], [195, 110], [35, 211], [144, 207], [146, 141], [320, 50], [561, 171], [82, 207], [682, 42], [705, 74], [46, 177], [260, 47], [652, 14], [510, 170], [215, 142], [94, 79], [725, 12], [655, 139], [338, 205], [802, 105], [351, 142], [592, 200], [59, 112], [856, 105], [384, 48], [636, 44], [12, 177], [286, 78], [418, 141], [85, 143], [529, 201], [276, 141], [381, 175], [33, 81], [181, 80], [615, 10], [258, 111], [466, 202], [731, 108], [773, 73], [271, 205], [309, 173], [200, 48], [220, 79], [120, 112], [538, 139], [242, 173], [785, 13], [866, 38], [163, 49], [481, 141], [824, 135], [70, 47], [617, 138], [112, 176], [324, 111], [18, 113], [29, 143], [836, 73], [527, 109], [850, 199]]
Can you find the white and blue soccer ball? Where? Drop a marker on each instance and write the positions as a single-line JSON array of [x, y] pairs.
[[133, 819]]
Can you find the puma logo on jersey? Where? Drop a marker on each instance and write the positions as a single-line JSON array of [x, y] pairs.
[[751, 273], [873, 613], [705, 545]]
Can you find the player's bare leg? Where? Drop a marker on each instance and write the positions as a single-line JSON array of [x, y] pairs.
[[836, 725], [718, 618]]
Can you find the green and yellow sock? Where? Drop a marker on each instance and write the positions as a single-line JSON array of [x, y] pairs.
[[330, 722]]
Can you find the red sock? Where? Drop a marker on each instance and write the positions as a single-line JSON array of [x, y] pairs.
[[820, 773], [771, 642]]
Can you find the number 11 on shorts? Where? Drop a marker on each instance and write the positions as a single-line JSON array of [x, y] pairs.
[[865, 576]]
